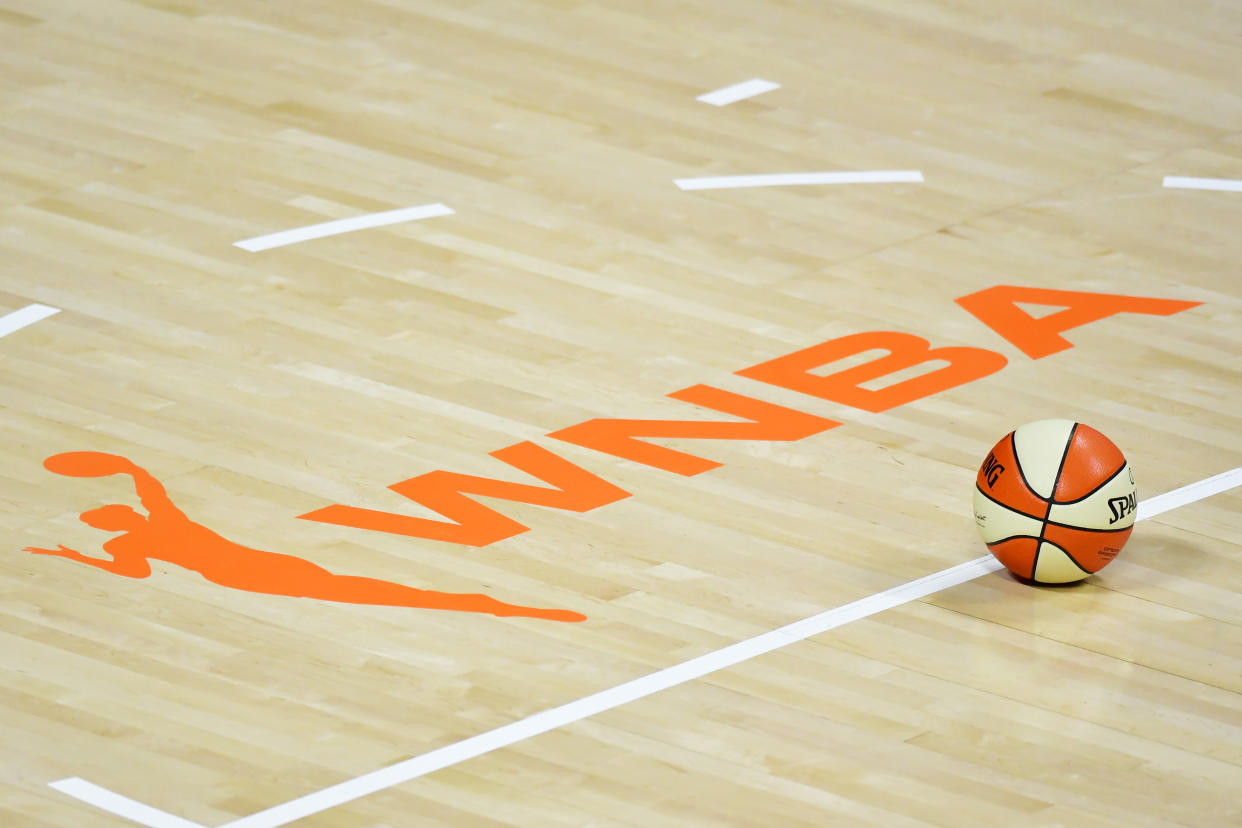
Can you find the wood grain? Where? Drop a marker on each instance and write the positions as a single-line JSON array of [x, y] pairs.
[[139, 140]]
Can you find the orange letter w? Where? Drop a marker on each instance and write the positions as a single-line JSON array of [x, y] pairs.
[[574, 488]]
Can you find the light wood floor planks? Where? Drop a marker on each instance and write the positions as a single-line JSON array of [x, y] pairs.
[[139, 139]]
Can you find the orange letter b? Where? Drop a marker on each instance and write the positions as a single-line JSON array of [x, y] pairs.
[[905, 350]]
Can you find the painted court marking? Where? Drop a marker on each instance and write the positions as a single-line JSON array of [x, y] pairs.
[[1183, 183], [613, 697], [738, 92], [28, 315], [1189, 493], [121, 805], [791, 179], [332, 228]]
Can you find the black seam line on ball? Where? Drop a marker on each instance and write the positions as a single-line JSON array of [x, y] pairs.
[[1013, 448], [1073, 560], [1011, 537], [1088, 528], [1096, 490], [1012, 509], [1043, 527], [1061, 465]]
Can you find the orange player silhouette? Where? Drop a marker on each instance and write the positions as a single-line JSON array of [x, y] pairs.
[[166, 534]]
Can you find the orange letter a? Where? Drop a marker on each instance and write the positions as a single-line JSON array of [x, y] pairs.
[[996, 308], [472, 523]]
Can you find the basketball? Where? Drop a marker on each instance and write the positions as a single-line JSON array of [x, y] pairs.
[[1055, 501]]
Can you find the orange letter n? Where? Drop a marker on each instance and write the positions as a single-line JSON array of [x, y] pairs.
[[575, 489], [905, 350], [996, 307], [767, 422]]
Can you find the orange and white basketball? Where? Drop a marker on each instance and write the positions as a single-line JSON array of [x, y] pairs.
[[1055, 501]]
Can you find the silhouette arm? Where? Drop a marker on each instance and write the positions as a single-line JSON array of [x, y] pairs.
[[152, 494], [101, 464], [130, 566]]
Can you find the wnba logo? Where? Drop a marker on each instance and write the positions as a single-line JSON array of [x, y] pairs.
[[165, 533]]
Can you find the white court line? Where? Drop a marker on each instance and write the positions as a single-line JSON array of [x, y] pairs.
[[1159, 504], [790, 179], [1181, 183], [332, 228], [630, 691], [28, 315], [612, 697], [121, 805], [738, 92]]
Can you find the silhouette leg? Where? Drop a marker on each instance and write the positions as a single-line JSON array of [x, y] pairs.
[[357, 590]]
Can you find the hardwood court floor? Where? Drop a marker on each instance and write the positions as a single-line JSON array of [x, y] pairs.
[[140, 139]]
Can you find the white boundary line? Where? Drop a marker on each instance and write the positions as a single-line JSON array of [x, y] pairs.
[[1182, 183], [121, 805], [28, 315], [738, 92], [726, 182], [332, 228], [575, 711], [1189, 493], [612, 697]]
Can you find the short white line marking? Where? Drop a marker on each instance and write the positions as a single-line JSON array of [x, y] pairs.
[[332, 228], [738, 92], [574, 711], [1182, 183], [791, 179], [120, 805], [28, 315]]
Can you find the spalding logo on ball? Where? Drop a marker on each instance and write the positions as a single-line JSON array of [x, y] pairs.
[[1055, 501]]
